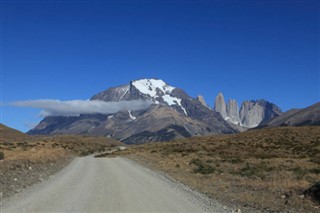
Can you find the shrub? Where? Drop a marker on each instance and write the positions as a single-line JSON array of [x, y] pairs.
[[315, 159], [196, 162], [202, 168], [251, 171], [1, 155], [315, 171], [299, 172], [84, 153]]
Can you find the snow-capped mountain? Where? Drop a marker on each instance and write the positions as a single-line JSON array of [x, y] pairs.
[[155, 90], [173, 114]]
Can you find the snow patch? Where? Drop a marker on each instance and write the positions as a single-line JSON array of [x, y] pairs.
[[174, 101], [125, 90], [232, 121], [131, 116], [150, 86]]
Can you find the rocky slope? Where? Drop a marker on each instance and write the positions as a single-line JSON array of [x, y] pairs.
[[201, 99], [251, 114], [173, 114], [309, 116]]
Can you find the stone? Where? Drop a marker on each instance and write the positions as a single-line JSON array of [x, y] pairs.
[[201, 99], [220, 105], [233, 112], [313, 192], [254, 113]]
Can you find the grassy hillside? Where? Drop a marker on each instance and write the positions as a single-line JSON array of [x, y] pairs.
[[16, 145], [266, 169], [8, 134]]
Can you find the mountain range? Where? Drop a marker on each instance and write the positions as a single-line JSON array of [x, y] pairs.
[[251, 114], [173, 114]]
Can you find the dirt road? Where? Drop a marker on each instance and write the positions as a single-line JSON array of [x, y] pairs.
[[109, 185]]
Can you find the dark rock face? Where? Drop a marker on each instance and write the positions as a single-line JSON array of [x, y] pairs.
[[68, 125], [174, 114], [168, 133]]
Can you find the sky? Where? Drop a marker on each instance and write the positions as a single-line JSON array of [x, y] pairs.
[[72, 50]]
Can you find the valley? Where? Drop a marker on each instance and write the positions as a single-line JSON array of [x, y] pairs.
[[262, 170], [160, 106], [256, 158]]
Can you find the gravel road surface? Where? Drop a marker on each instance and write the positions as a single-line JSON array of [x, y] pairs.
[[109, 185]]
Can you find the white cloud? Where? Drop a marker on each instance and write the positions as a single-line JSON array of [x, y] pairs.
[[76, 107]]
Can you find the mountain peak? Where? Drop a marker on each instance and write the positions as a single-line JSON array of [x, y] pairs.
[[152, 86], [201, 99], [251, 114], [220, 105]]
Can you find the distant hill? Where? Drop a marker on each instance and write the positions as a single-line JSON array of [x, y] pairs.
[[309, 116], [8, 134]]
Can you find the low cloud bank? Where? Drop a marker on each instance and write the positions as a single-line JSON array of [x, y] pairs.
[[76, 107]]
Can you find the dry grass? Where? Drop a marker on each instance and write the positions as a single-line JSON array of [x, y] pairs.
[[263, 169], [18, 146]]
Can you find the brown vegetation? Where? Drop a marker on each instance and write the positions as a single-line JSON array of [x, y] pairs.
[[266, 169], [17, 145]]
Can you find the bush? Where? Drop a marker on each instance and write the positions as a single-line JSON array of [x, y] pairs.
[[315, 171], [202, 168], [1, 155], [196, 162], [249, 171], [84, 153]]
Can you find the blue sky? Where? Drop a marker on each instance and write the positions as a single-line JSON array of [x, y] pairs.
[[71, 50]]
